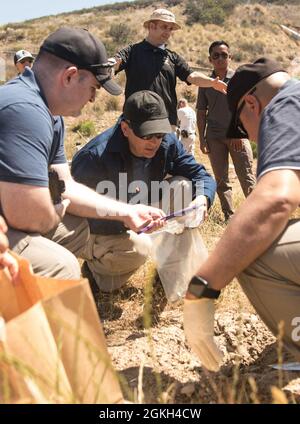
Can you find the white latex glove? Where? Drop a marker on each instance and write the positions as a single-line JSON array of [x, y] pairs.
[[199, 331], [195, 218]]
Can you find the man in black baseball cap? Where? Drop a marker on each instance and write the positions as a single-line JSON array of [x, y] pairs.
[[244, 81], [81, 48], [261, 245], [70, 67], [134, 157], [147, 114]]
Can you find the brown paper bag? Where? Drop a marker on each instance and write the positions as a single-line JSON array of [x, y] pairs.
[[52, 346]]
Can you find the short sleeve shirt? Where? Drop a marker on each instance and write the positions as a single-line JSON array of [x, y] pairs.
[[218, 113], [148, 67], [31, 139], [279, 137]]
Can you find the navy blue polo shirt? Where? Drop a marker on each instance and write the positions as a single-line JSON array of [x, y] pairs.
[[30, 137]]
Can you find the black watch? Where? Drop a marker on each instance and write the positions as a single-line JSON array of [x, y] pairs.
[[199, 288]]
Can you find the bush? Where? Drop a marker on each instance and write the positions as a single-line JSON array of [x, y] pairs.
[[112, 103], [120, 33], [85, 128], [189, 94], [208, 11]]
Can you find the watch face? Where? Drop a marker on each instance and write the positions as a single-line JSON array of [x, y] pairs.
[[199, 288]]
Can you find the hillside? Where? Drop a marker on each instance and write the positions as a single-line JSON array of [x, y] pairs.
[[159, 356]]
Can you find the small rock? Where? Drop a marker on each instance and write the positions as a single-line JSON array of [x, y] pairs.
[[188, 389]]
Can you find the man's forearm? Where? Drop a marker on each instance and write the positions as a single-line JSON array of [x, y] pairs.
[[200, 79], [259, 221], [87, 203]]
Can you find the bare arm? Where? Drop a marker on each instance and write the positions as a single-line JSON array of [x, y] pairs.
[[201, 124], [28, 208], [202, 80], [87, 203], [258, 222]]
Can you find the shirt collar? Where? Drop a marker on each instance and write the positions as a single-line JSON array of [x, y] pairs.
[[229, 74], [30, 79]]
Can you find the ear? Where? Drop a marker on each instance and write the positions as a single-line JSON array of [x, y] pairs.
[[253, 104], [209, 58], [125, 128], [69, 74]]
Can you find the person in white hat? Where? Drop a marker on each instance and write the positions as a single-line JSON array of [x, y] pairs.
[[23, 58], [150, 65]]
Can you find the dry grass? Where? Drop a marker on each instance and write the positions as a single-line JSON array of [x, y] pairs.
[[252, 30]]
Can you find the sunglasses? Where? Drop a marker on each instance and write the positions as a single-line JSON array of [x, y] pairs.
[[25, 60], [217, 55], [150, 136], [103, 71]]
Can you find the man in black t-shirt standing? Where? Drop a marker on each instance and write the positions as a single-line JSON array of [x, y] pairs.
[[150, 65]]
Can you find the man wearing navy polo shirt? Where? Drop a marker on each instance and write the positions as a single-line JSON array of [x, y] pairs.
[[71, 65]]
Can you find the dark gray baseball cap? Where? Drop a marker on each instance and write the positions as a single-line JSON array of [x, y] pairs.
[[245, 78], [147, 113], [79, 47]]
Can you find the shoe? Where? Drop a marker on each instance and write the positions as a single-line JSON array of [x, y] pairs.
[[86, 273]]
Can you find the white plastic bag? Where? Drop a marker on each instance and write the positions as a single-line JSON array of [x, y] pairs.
[[177, 258]]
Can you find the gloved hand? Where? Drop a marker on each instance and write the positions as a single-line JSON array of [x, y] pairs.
[[195, 218], [199, 331]]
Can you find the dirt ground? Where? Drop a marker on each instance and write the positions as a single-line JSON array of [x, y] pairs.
[[156, 365]]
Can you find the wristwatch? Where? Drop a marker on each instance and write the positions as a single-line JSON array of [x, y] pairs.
[[199, 288]]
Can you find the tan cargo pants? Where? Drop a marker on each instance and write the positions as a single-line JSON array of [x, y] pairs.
[[51, 255], [242, 161], [112, 259], [272, 284]]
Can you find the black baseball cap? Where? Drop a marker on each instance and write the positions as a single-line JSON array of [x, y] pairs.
[[245, 78], [147, 113], [81, 48]]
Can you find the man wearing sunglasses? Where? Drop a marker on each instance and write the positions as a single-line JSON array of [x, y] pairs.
[[213, 117], [261, 245], [23, 58], [129, 161], [70, 67]]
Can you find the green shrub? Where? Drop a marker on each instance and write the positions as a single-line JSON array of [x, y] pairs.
[[208, 11], [120, 33], [85, 128]]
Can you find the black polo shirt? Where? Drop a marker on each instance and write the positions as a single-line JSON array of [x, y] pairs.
[[148, 67]]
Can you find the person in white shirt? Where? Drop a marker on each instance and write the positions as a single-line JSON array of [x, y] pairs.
[[187, 125]]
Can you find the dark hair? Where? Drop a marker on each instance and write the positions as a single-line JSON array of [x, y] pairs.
[[217, 44]]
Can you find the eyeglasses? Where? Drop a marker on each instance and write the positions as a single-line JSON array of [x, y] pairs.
[[150, 136], [25, 61], [217, 55], [97, 69]]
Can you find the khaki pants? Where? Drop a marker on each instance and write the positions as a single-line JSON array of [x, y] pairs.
[[51, 255], [242, 161], [272, 284], [112, 259]]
